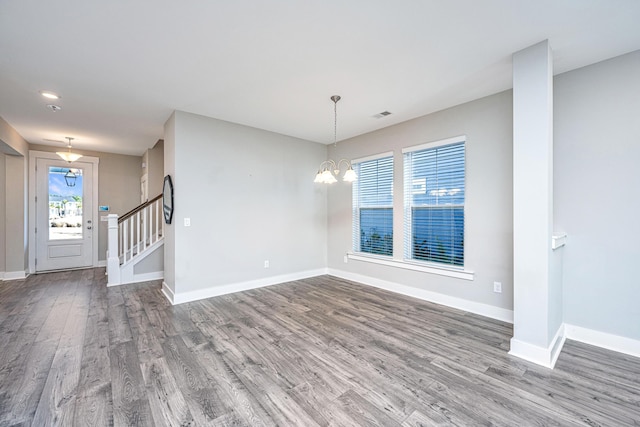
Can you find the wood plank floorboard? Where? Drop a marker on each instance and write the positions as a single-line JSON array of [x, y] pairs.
[[321, 351]]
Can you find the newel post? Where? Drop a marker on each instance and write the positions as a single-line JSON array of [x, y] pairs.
[[113, 262]]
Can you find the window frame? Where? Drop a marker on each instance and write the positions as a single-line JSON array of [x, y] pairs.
[[356, 207], [408, 207]]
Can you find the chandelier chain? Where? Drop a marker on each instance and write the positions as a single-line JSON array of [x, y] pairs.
[[335, 123]]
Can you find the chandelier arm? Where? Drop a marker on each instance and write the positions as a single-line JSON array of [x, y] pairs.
[[347, 161], [328, 165]]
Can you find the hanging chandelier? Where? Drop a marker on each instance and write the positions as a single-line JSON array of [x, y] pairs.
[[329, 169], [68, 155]]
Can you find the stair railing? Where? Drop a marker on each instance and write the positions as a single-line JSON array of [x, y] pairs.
[[132, 234]]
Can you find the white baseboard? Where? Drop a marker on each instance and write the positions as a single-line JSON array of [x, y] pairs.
[[1, 275], [543, 356], [602, 339], [435, 297], [214, 291], [13, 275], [168, 293], [143, 277], [548, 356], [102, 263]]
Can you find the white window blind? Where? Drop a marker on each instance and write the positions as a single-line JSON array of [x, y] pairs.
[[434, 193], [373, 206]]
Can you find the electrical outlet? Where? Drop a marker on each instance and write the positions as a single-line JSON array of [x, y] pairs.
[[497, 287], [266, 263], [187, 222]]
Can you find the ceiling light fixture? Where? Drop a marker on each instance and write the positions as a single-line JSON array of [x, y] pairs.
[[329, 168], [49, 95], [68, 156], [54, 107]]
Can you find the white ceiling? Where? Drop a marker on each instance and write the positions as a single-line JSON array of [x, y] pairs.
[[123, 66]]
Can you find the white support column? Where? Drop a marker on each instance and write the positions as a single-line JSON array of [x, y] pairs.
[[537, 322], [113, 262]]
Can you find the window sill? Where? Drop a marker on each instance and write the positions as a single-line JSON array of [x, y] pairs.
[[442, 271]]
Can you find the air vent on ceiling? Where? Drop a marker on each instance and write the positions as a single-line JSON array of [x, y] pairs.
[[381, 115]]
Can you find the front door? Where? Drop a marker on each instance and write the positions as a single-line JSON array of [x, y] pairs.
[[65, 232]]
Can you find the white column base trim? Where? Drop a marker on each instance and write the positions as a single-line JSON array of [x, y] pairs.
[[168, 293], [602, 339], [435, 297], [13, 275], [543, 356], [214, 291]]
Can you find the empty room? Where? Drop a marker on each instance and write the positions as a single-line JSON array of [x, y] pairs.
[[409, 213]]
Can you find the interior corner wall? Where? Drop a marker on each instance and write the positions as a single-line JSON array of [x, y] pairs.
[[155, 169], [118, 186], [597, 184], [169, 229], [15, 150], [487, 124], [250, 197], [3, 213], [16, 238]]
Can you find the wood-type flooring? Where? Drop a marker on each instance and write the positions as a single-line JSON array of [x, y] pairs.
[[321, 351]]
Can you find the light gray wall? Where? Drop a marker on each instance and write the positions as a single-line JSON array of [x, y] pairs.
[[534, 323], [487, 123], [155, 169], [169, 229], [153, 263], [10, 140], [16, 246], [250, 196], [3, 217], [118, 187], [597, 188], [15, 236]]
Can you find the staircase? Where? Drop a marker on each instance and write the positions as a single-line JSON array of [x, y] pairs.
[[135, 244]]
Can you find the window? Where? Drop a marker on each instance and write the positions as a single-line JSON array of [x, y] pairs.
[[373, 206], [434, 193]]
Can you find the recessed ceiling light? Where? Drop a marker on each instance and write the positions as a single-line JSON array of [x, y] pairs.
[[49, 95]]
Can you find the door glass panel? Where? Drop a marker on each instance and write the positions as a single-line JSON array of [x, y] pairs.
[[65, 203]]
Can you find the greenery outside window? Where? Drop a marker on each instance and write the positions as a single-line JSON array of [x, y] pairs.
[[373, 205]]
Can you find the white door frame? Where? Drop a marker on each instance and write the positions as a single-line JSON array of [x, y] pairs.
[[33, 157]]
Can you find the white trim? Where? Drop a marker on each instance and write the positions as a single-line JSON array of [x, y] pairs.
[[142, 277], [373, 157], [435, 297], [102, 263], [602, 339], [214, 291], [14, 275], [33, 156], [434, 144], [1, 275], [543, 356], [168, 293], [424, 268]]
